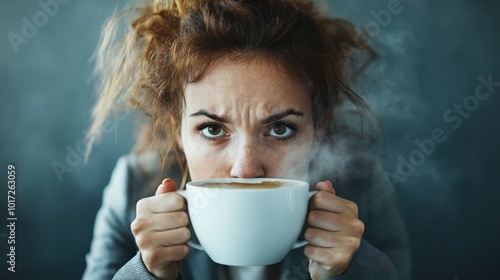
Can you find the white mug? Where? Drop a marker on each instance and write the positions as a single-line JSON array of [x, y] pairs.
[[247, 226]]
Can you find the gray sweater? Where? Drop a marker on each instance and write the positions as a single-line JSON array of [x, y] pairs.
[[114, 254]]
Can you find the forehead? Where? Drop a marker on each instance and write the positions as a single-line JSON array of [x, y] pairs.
[[247, 82]]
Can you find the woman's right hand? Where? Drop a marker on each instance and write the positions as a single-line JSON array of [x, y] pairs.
[[161, 232]]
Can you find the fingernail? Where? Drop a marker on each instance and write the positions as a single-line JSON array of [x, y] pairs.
[[166, 180]]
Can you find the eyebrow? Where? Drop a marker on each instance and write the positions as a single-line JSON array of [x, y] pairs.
[[210, 115], [283, 114], [270, 119]]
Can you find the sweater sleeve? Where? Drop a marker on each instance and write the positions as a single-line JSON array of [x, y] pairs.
[[369, 263], [134, 269], [385, 228], [112, 243]]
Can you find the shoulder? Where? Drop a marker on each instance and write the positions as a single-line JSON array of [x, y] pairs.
[[133, 176], [136, 176]]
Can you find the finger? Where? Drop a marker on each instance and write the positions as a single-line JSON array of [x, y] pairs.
[[167, 185], [175, 253], [329, 239], [155, 239], [327, 220], [162, 203], [327, 201], [172, 237], [325, 186], [168, 221], [318, 254], [342, 252], [163, 255], [160, 222], [320, 238], [332, 262]]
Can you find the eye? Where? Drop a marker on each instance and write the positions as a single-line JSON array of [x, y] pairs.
[[212, 131], [281, 131]]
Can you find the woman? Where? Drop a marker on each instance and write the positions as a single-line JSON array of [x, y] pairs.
[[241, 89]]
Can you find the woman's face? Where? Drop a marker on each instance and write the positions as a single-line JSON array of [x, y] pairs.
[[247, 119]]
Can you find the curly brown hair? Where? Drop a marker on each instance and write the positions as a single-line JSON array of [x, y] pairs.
[[169, 43]]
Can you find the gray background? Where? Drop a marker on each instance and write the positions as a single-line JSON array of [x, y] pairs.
[[432, 53]]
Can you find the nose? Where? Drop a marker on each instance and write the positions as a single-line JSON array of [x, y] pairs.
[[248, 161]]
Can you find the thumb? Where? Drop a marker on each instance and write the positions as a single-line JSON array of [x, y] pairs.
[[167, 185], [325, 186]]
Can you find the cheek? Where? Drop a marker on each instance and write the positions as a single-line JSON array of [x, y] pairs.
[[203, 163], [203, 169], [292, 163]]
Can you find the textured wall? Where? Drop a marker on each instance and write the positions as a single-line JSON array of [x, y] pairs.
[[433, 54]]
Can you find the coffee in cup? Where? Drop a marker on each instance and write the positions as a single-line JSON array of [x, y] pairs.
[[244, 185]]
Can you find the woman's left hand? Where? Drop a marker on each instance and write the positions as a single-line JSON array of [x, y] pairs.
[[334, 233]]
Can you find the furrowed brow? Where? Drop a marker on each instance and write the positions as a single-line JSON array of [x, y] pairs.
[[281, 115], [210, 115]]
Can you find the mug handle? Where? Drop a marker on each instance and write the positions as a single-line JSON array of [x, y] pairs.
[[299, 244], [190, 243]]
